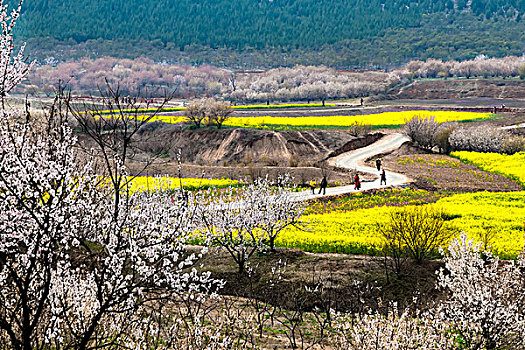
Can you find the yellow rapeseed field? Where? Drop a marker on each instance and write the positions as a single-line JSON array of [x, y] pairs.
[[378, 119], [145, 183], [356, 231], [507, 165], [386, 119]]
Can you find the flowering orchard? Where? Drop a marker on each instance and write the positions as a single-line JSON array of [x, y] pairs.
[[245, 222], [87, 263]]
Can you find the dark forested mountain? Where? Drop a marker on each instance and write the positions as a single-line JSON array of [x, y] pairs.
[[342, 33]]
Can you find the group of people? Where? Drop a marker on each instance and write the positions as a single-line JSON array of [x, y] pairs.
[[357, 180], [382, 173], [495, 108]]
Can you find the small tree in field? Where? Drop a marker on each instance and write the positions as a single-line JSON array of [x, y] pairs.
[[415, 231], [209, 112], [218, 113], [274, 208], [251, 220], [195, 114]]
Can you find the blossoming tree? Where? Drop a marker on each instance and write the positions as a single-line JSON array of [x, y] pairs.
[[13, 67], [486, 297], [76, 266], [245, 222]]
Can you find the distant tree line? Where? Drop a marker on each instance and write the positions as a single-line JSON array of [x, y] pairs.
[[301, 83], [140, 76], [481, 66]]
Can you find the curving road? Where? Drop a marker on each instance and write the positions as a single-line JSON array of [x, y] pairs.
[[516, 126], [354, 161]]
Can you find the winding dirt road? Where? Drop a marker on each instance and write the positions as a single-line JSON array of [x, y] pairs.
[[354, 161], [510, 127]]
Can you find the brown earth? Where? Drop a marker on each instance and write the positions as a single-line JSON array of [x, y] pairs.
[[240, 146], [249, 153], [338, 272], [443, 173], [299, 175]]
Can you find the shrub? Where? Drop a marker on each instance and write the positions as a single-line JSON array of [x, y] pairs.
[[478, 139], [521, 71], [513, 144], [416, 232], [421, 130], [359, 129], [442, 135]]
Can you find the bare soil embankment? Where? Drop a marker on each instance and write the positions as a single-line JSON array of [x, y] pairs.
[[249, 153], [223, 147]]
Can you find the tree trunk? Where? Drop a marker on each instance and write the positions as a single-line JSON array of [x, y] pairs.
[[272, 243]]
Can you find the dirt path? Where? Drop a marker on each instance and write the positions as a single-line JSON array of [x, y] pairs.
[[354, 161], [516, 126]]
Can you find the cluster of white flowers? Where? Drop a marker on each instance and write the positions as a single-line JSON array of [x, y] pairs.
[[486, 300], [482, 138], [251, 219], [483, 307], [396, 331], [13, 67]]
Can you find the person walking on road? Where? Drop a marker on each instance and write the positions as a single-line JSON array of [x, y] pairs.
[[357, 182], [378, 164], [324, 183], [383, 177], [312, 186]]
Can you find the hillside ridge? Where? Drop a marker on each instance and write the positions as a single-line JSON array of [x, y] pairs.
[[268, 33]]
